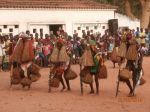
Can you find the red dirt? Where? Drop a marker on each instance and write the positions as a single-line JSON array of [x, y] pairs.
[[37, 99]]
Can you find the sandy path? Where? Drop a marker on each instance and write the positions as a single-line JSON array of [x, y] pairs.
[[39, 100]]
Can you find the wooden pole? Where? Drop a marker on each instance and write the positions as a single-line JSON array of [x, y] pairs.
[[81, 83]]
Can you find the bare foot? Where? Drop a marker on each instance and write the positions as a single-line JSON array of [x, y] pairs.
[[92, 92], [69, 89], [62, 89], [97, 92], [131, 95]]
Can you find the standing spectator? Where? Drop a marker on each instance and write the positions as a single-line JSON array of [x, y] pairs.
[[39, 52], [110, 48], [6, 62], [137, 33], [46, 51], [1, 52], [142, 37], [147, 38], [52, 36], [128, 37]]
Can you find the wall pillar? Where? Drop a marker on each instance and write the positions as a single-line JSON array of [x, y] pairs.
[[23, 26], [69, 28]]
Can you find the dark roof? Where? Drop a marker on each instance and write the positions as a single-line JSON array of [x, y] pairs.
[[54, 4]]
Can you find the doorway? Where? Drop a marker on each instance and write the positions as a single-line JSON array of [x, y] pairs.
[[55, 28]]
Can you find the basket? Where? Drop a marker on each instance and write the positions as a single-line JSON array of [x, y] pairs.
[[70, 74], [87, 79], [26, 81], [35, 68], [103, 72], [15, 81], [142, 81], [54, 82], [125, 74], [35, 77], [16, 76]]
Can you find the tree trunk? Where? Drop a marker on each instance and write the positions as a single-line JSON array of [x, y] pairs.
[[142, 3], [145, 19], [128, 10]]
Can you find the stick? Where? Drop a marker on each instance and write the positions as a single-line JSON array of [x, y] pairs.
[[117, 89], [11, 74], [81, 84], [49, 82]]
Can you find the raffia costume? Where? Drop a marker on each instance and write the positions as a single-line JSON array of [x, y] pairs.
[[22, 57], [132, 50], [123, 48], [60, 60]]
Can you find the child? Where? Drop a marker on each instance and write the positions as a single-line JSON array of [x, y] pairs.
[[1, 61], [110, 48], [6, 63], [144, 49]]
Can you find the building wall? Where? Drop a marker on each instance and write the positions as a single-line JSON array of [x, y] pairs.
[[72, 19], [9, 28], [124, 21]]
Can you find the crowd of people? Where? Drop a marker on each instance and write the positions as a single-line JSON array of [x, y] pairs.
[[125, 43], [76, 45]]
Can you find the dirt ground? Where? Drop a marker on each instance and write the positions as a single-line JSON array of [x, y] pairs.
[[37, 99]]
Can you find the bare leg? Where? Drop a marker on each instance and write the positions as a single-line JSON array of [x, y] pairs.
[[92, 89], [97, 83], [114, 64], [62, 82], [67, 81], [129, 85], [134, 85], [29, 86], [68, 84]]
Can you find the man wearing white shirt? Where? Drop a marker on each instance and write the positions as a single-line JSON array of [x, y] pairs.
[[2, 53]]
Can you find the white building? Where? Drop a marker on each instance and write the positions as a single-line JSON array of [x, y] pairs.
[[21, 15], [45, 15], [124, 21]]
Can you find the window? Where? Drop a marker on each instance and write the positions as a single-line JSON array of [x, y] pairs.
[[0, 30], [87, 28], [41, 30], [34, 30], [83, 31], [75, 31], [95, 27], [10, 30], [79, 28], [11, 34], [103, 27], [5, 26], [16, 26]]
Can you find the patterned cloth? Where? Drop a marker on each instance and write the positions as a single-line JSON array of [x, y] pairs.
[[2, 52], [95, 69], [6, 59], [1, 59]]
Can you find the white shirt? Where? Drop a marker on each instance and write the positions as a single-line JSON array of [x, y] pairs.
[[2, 52]]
